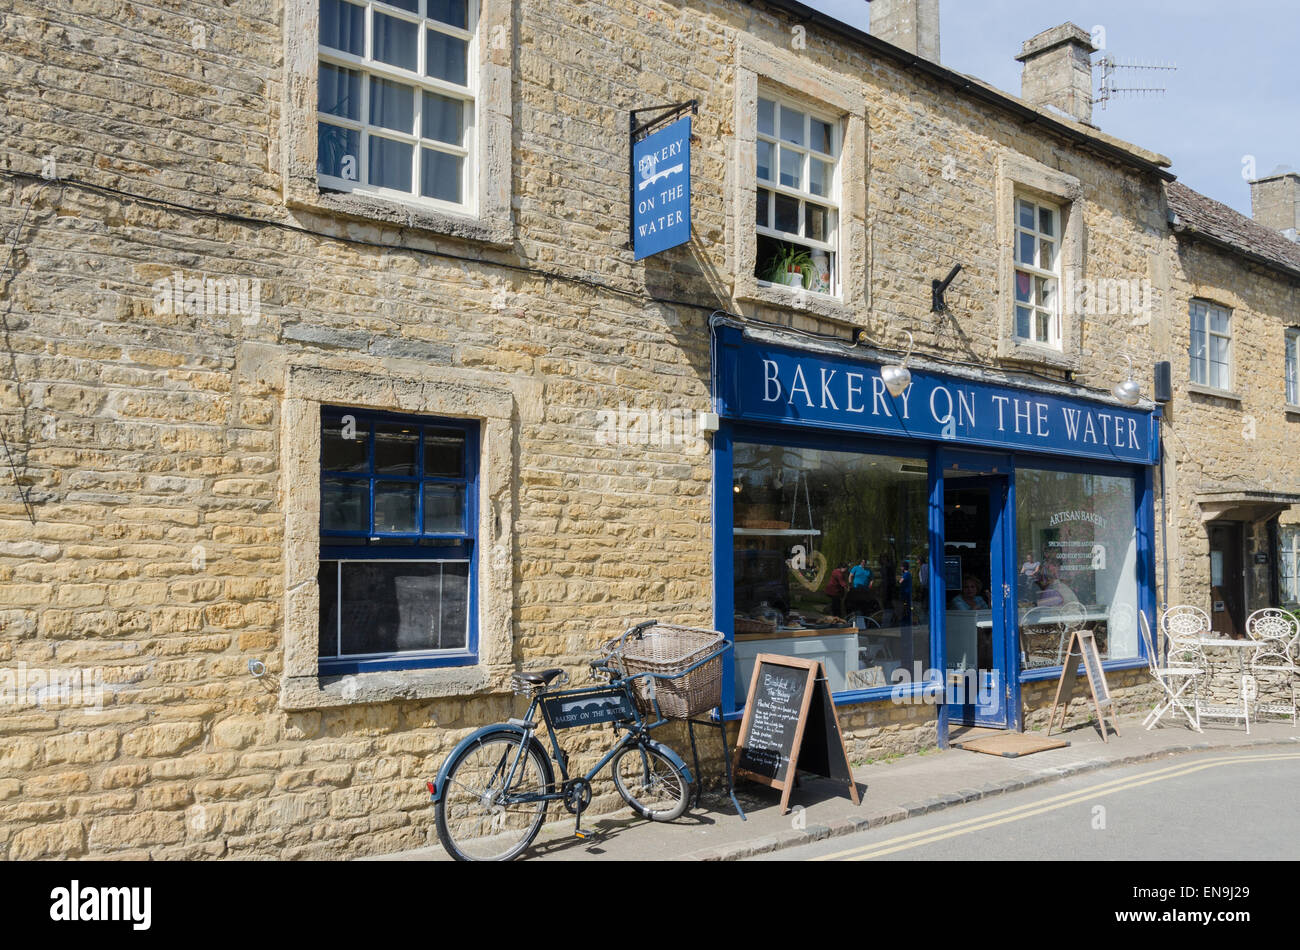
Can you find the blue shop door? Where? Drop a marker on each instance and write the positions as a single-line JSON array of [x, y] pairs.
[[977, 592]]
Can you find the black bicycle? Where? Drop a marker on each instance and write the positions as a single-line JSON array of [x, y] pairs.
[[491, 793]]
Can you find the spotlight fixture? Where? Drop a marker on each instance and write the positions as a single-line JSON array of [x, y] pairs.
[[896, 376], [1129, 391]]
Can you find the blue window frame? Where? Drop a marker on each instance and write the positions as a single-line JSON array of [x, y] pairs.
[[398, 559]]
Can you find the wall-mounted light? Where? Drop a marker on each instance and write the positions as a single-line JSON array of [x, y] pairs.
[[896, 376], [1129, 391]]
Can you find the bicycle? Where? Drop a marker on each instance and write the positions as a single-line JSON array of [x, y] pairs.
[[492, 792]]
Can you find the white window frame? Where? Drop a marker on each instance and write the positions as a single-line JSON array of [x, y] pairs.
[[491, 220], [831, 201], [1291, 366], [780, 71], [369, 68], [1288, 549], [1034, 271], [1206, 362], [1019, 176]]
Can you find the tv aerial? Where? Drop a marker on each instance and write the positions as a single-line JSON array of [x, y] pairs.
[[1108, 89]]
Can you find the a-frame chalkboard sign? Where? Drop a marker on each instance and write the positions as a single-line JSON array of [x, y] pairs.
[[790, 726], [1101, 699]]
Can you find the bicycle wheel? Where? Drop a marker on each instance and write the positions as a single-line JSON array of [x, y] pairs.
[[651, 783], [476, 817]]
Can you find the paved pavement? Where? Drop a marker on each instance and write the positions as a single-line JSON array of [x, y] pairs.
[[890, 791]]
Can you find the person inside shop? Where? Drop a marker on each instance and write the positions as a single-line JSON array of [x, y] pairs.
[[969, 598], [837, 587], [905, 591], [1052, 591], [859, 586]]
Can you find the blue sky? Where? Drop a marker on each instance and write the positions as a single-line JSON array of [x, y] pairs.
[[1236, 92]]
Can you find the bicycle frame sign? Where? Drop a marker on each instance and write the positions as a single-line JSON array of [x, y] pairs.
[[589, 709]]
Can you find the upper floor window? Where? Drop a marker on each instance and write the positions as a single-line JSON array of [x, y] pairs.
[[1211, 345], [397, 533], [1038, 271], [1293, 366], [797, 199], [396, 99]]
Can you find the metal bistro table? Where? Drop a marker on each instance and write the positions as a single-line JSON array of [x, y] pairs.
[[1238, 708]]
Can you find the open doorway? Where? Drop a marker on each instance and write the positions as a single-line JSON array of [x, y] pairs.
[[973, 510], [1227, 579]]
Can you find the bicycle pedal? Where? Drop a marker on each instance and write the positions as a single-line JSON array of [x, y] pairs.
[[579, 833]]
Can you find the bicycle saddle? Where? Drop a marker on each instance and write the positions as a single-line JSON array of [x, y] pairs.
[[540, 679]]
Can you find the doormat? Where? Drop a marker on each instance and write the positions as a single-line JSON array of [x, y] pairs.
[[1010, 744]]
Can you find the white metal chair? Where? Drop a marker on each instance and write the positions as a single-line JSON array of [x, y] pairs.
[[1184, 626], [1273, 673], [1174, 680], [1062, 620], [1272, 624], [1184, 622]]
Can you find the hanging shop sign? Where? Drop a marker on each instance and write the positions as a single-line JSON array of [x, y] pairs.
[[764, 382], [661, 188]]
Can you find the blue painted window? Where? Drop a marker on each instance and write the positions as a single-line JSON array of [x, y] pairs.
[[398, 554]]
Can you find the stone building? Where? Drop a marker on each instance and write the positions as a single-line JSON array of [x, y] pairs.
[[334, 393], [1235, 472]]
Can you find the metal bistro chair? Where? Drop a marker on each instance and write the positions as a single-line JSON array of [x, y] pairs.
[[1272, 624], [1184, 622], [1173, 679], [1277, 632], [1044, 621]]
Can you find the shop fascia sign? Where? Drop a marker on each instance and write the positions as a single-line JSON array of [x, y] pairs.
[[769, 383]]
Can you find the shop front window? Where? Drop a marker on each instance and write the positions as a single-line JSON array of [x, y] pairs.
[[1077, 564], [831, 562]]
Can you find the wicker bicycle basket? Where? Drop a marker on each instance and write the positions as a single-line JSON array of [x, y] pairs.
[[667, 650]]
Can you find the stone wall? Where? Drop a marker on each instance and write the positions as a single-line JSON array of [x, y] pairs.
[[149, 540], [1238, 441]]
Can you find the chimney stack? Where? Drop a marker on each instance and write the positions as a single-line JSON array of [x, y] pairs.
[[1058, 71], [912, 25], [1275, 202]]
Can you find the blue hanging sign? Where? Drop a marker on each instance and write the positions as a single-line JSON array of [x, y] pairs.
[[661, 189], [763, 382]]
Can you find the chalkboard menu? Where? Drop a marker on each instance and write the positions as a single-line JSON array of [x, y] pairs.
[[1092, 666], [1082, 645], [790, 725], [774, 713]]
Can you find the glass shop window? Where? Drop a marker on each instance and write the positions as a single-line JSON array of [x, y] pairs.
[[1077, 538], [831, 562]]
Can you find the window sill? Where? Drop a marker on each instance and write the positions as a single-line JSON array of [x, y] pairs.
[[325, 692], [1040, 673], [359, 205], [1196, 389], [1016, 350], [790, 298], [1292, 412]]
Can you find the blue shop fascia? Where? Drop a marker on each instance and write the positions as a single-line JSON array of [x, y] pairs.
[[933, 545]]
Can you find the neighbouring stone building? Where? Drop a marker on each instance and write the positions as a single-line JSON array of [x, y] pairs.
[[334, 394]]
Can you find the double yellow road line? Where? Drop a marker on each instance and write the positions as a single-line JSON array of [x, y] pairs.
[[921, 838]]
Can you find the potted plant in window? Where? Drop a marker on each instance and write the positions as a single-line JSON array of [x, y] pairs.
[[791, 265]]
